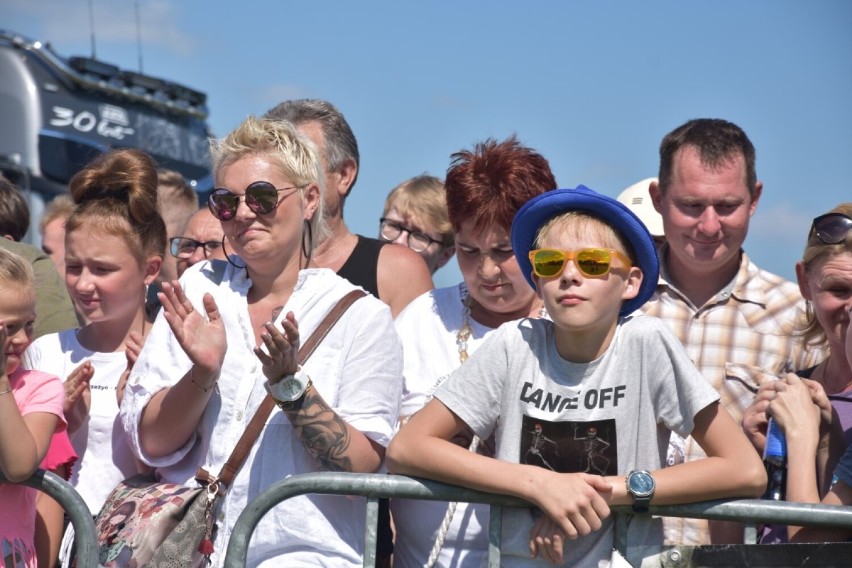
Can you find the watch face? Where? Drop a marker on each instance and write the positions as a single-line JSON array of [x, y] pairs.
[[288, 389], [641, 483]]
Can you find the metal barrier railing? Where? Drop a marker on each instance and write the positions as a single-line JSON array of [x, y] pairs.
[[81, 518], [374, 486]]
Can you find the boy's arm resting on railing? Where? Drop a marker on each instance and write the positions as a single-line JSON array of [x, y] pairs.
[[576, 502], [732, 467]]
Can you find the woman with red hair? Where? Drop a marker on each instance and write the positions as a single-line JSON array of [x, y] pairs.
[[485, 187]]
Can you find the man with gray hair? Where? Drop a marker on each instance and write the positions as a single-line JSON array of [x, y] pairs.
[[394, 274]]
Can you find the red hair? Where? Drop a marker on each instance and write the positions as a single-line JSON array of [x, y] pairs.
[[487, 185]]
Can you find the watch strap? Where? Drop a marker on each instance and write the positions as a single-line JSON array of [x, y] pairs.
[[641, 504]]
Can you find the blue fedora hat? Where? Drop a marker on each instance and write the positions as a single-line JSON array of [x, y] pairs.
[[538, 210]]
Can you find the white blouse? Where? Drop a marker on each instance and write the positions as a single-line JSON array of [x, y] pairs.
[[358, 371]]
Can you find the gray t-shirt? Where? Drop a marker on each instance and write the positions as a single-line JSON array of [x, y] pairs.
[[606, 417]]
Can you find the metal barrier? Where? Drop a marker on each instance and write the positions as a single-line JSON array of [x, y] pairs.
[[81, 518], [374, 486]]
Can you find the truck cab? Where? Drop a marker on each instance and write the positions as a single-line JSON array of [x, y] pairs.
[[58, 113]]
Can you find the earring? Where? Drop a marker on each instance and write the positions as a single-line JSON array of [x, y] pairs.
[[307, 248], [228, 257]]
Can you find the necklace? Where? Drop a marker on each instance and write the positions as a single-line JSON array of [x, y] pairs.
[[465, 331]]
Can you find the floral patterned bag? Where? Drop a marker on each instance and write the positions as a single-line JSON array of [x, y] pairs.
[[147, 523]]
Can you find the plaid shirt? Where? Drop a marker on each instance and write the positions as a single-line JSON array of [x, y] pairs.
[[743, 335]]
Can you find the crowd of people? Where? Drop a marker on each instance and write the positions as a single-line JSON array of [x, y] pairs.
[[598, 352]]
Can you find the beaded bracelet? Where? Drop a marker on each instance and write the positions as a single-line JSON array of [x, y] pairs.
[[199, 387], [7, 391]]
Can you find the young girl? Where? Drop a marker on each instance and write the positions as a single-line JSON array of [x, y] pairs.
[[114, 246], [30, 411]]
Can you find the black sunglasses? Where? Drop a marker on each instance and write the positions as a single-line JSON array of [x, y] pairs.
[[832, 228], [390, 230], [184, 247], [261, 197]]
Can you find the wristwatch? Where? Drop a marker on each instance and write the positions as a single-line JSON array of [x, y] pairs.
[[641, 486], [289, 391]]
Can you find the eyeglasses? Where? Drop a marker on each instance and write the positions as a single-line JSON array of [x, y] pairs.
[[184, 247], [261, 197], [417, 241], [547, 262], [832, 228]]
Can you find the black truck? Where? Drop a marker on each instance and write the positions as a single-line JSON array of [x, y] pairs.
[[57, 113]]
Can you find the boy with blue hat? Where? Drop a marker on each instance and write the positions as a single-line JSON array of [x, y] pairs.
[[581, 406]]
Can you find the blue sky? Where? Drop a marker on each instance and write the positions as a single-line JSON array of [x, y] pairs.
[[593, 86]]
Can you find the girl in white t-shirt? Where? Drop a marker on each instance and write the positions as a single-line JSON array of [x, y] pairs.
[[114, 246]]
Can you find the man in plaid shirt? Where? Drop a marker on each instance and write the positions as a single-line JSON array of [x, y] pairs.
[[737, 322]]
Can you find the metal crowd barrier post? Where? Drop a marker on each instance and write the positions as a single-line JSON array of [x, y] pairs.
[[373, 486], [84, 526]]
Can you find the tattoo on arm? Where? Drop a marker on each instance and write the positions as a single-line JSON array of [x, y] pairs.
[[323, 433]]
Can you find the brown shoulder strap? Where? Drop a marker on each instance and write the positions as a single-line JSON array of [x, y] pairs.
[[255, 426]]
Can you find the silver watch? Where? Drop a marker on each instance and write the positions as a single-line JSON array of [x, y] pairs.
[[641, 486], [289, 391]]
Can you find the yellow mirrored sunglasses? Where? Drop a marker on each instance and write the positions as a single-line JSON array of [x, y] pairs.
[[548, 262]]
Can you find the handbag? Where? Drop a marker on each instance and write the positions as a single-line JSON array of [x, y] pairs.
[[143, 518], [145, 522]]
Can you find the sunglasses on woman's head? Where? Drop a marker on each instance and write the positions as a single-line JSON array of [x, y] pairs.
[[832, 228], [547, 262], [261, 197]]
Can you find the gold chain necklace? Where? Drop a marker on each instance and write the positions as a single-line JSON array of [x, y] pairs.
[[465, 331]]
